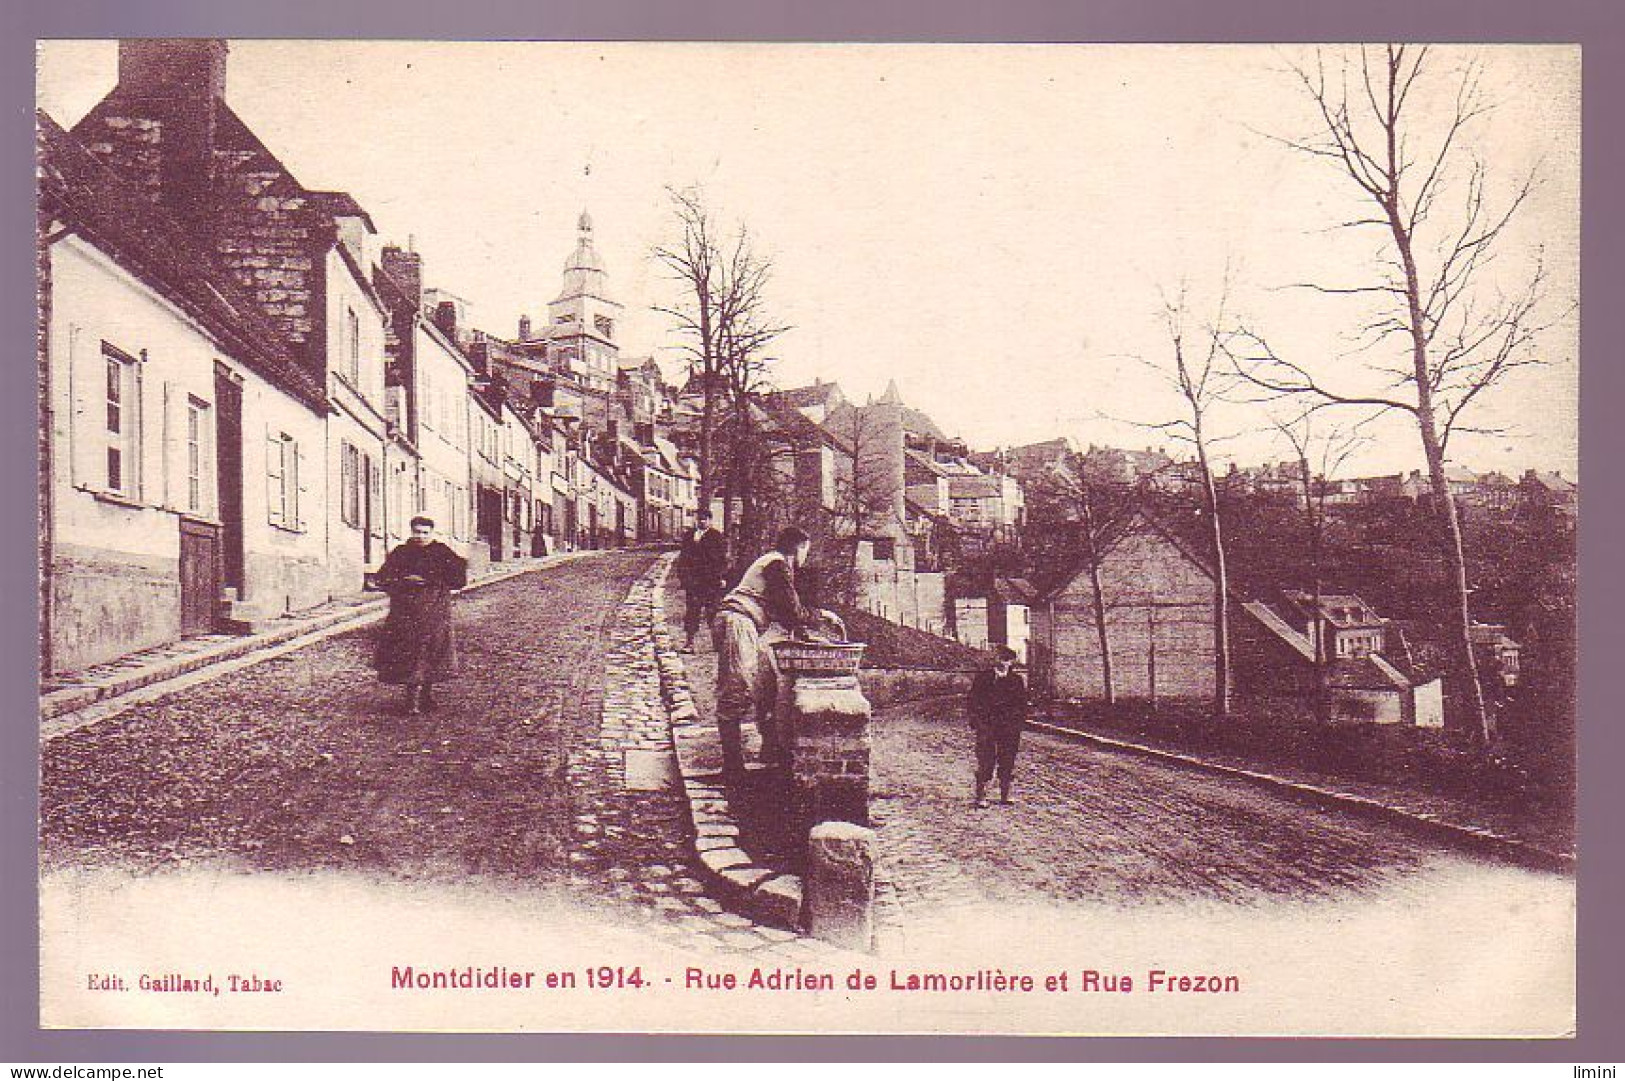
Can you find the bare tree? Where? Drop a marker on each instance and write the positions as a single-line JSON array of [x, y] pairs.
[[744, 330], [696, 262], [865, 495], [1100, 507], [1330, 446], [1196, 369], [722, 315], [1457, 334]]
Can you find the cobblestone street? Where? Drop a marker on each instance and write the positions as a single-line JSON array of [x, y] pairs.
[[304, 761]]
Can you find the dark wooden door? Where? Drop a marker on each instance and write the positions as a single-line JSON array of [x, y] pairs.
[[228, 394], [490, 519], [200, 577]]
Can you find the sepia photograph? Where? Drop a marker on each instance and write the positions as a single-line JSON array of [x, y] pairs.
[[808, 538]]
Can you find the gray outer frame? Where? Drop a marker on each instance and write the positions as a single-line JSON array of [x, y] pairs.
[[1599, 25]]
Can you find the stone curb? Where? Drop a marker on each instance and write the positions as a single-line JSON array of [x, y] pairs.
[[754, 891], [1476, 838], [60, 705]]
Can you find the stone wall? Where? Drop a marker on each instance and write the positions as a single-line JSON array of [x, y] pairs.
[[828, 723], [107, 603]]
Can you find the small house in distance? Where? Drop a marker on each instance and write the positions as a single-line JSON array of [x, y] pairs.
[[1497, 654], [1156, 642], [999, 613], [1135, 625]]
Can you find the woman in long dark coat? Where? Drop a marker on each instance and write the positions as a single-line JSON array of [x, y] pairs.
[[416, 646]]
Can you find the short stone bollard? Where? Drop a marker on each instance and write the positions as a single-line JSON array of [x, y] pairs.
[[841, 884], [825, 719]]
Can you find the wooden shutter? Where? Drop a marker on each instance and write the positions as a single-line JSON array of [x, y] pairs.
[[83, 409], [137, 440], [170, 486], [300, 487], [275, 465]]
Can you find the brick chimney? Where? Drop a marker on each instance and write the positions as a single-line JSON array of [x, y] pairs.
[[445, 317], [524, 328], [406, 268], [181, 83]]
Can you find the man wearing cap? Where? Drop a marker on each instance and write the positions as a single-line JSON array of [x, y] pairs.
[[702, 564], [746, 680], [997, 706]]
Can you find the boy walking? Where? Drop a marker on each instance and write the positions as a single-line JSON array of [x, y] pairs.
[[997, 706]]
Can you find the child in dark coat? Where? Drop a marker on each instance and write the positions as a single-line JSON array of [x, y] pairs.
[[997, 706]]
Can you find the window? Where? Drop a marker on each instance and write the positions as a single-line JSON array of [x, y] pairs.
[[350, 478], [121, 422], [374, 472], [352, 326], [604, 325], [199, 430], [282, 467]]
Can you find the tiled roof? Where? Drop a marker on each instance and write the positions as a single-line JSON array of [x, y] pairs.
[[925, 460], [1553, 482], [1368, 673], [1015, 590], [120, 218], [1271, 621], [802, 397], [341, 204]]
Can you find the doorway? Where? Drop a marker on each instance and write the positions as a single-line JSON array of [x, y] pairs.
[[200, 577]]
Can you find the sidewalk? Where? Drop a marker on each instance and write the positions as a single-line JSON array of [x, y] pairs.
[[70, 702]]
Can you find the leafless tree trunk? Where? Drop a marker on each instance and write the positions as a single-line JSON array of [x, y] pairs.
[[1457, 340], [722, 316], [862, 494], [743, 331], [1098, 594], [1103, 510], [1335, 446], [695, 262], [1195, 371]]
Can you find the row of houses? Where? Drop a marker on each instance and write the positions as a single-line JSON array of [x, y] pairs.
[[1490, 491], [246, 394]]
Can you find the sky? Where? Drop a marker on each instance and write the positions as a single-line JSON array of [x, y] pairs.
[[997, 228]]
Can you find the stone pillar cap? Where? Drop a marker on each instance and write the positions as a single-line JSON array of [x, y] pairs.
[[840, 831]]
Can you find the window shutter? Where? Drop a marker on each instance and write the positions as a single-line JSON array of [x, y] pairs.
[[138, 442], [274, 465], [299, 487], [346, 483], [83, 408], [211, 460], [171, 482]]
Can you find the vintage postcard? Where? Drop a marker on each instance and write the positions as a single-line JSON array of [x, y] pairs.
[[808, 538]]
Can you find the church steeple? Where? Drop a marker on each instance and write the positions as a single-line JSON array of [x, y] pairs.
[[584, 274], [583, 318]]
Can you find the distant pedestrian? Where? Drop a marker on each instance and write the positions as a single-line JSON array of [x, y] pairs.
[[997, 705], [702, 566], [747, 683], [416, 646]]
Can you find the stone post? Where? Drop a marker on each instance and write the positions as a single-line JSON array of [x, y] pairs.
[[824, 717], [841, 884]]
